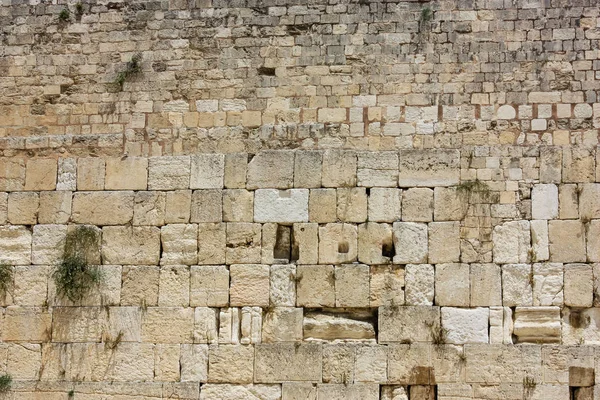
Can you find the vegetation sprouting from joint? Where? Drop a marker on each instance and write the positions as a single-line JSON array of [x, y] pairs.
[[5, 383], [6, 278], [64, 15], [476, 187], [134, 66]]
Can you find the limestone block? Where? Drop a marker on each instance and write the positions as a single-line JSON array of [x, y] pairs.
[[548, 284], [322, 205], [178, 207], [26, 324], [4, 207], [338, 362], [168, 325], [307, 169], [420, 283], [537, 324], [305, 243], [283, 206], [166, 362], [539, 240], [378, 169], [580, 326], [194, 363], [544, 201], [251, 325], [123, 322], [371, 364], [407, 324], [444, 242], [550, 164], [130, 245], [149, 208], [352, 204], [385, 205], [392, 392], [410, 364], [417, 205], [567, 241], [593, 241], [236, 166], [315, 286], [448, 204], [465, 325], [207, 171], [375, 243], [77, 324], [259, 392], [386, 286], [24, 361], [174, 286], [486, 285], [410, 242], [90, 173], [31, 285], [339, 168], [249, 285], [338, 243], [283, 285], [243, 243], [271, 169], [517, 280], [54, 207], [557, 360], [282, 324], [103, 208], [352, 285], [578, 285], [67, 174], [23, 208], [206, 325], [140, 286], [209, 286], [12, 174], [452, 285], [230, 364], [589, 201], [496, 325], [130, 173], [340, 391], [578, 165], [211, 243], [41, 174], [15, 245], [229, 325], [288, 362], [513, 363], [429, 167], [238, 205], [179, 244], [48, 243], [511, 241], [169, 173], [207, 205]]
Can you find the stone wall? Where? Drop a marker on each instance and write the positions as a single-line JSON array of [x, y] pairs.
[[364, 199]]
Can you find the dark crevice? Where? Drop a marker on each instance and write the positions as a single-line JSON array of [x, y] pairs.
[[283, 243]]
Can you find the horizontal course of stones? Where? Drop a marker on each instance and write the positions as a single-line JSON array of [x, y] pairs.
[[370, 274]]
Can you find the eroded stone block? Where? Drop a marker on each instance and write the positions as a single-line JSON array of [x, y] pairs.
[[283, 206], [410, 242]]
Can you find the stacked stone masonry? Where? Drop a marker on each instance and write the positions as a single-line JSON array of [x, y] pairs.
[[325, 199]]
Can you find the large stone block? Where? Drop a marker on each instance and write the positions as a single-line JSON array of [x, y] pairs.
[[444, 242], [149, 208], [356, 391], [236, 168], [539, 240], [338, 243], [230, 364], [178, 207], [512, 241], [207, 171], [194, 363], [77, 324], [282, 206], [48, 244], [410, 242], [207, 205], [465, 325], [548, 284], [417, 205], [589, 201], [305, 242], [537, 324], [339, 168], [23, 208], [90, 173], [15, 245], [209, 286], [26, 324], [283, 324], [212, 391], [544, 201], [578, 285], [384, 205], [211, 243], [352, 285], [429, 167], [517, 281], [12, 174], [169, 173], [486, 285], [41, 174], [307, 169], [31, 285], [410, 364], [420, 284], [277, 363], [387, 285], [168, 325], [315, 286], [338, 326], [271, 169], [375, 243], [449, 204], [130, 173], [174, 286], [140, 286], [243, 243], [578, 165], [179, 244], [322, 205], [371, 364], [568, 201], [452, 285], [407, 324], [378, 169], [103, 208], [352, 204], [249, 285], [567, 241], [283, 285], [130, 245], [55, 207], [238, 205]]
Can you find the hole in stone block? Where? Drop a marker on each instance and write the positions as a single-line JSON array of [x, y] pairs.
[[283, 243], [422, 392], [266, 71], [577, 319], [388, 249], [343, 247], [295, 247]]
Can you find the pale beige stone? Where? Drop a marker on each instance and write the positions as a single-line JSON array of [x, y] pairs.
[[305, 243], [407, 324], [568, 201], [385, 205], [149, 208], [288, 362], [15, 245], [226, 391], [550, 164], [238, 205], [31, 285], [271, 169], [539, 240], [315, 286], [465, 325], [429, 167], [486, 285], [512, 241], [130, 245], [548, 284], [41, 174], [352, 204], [130, 173], [249, 285], [236, 166], [338, 243], [47, 244], [333, 326], [567, 241], [375, 243], [339, 168], [166, 362], [371, 364], [169, 173], [283, 285], [67, 174], [338, 362], [23, 208], [417, 205], [420, 284], [179, 244], [4, 208], [207, 206], [174, 286], [26, 324], [283, 206], [194, 363], [90, 173], [578, 285], [322, 205], [168, 325], [207, 171], [209, 286], [410, 242], [578, 165], [444, 242], [307, 169], [211, 243], [12, 174], [544, 201], [243, 243], [206, 326], [593, 241], [24, 361], [387, 286], [379, 169], [537, 324], [452, 285], [352, 285], [589, 201], [517, 282], [124, 324], [103, 208], [365, 391], [77, 324], [140, 286], [517, 362], [283, 324], [54, 207], [178, 207], [230, 364], [409, 364]]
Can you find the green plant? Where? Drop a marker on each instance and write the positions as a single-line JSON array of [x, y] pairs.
[[529, 385], [79, 8], [133, 67], [74, 276], [426, 14], [112, 344], [64, 15], [6, 277], [5, 382], [439, 334], [71, 393], [467, 189]]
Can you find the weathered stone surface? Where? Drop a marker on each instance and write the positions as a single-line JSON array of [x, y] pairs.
[[315, 286], [329, 326], [283, 324], [48, 244], [548, 284], [305, 242], [339, 168], [429, 168], [409, 364], [26, 324], [130, 173], [207, 206], [371, 364], [140, 286], [410, 242], [322, 205], [212, 391], [448, 204], [352, 204], [579, 285], [243, 243], [307, 169], [387, 286], [539, 241], [420, 283], [230, 364], [236, 167], [130, 245], [23, 208], [589, 201], [486, 285], [283, 206], [15, 245], [452, 285], [55, 207], [77, 324], [178, 207], [567, 241], [288, 362], [512, 241], [149, 208], [249, 285], [41, 174], [194, 363], [544, 201], [537, 324], [211, 243], [169, 173], [174, 286], [517, 282], [283, 285], [357, 391], [168, 325], [338, 244], [375, 243], [103, 208], [210, 327], [271, 169], [352, 285], [179, 244], [407, 324], [465, 325], [12, 174], [578, 165], [209, 286], [417, 205], [207, 171], [384, 204], [444, 242], [238, 205], [378, 169]]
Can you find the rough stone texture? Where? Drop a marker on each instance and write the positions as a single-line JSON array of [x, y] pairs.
[[548, 284], [384, 205], [288, 362], [410, 323], [417, 205], [315, 286], [517, 282], [537, 324], [452, 286], [352, 285], [512, 242], [579, 285], [337, 243], [352, 204], [207, 171], [271, 169], [15, 245], [544, 201], [129, 173], [567, 241], [281, 205], [131, 246], [375, 243], [428, 168], [410, 241], [179, 244], [486, 285], [465, 325], [209, 286], [420, 284], [103, 208], [168, 173], [444, 242], [249, 285]]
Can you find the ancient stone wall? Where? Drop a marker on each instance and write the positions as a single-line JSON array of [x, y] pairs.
[[301, 199]]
